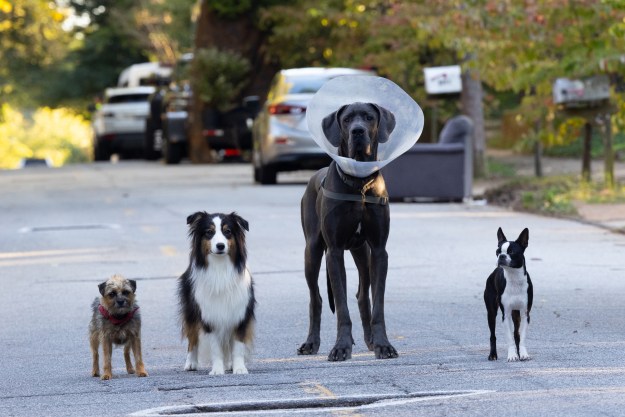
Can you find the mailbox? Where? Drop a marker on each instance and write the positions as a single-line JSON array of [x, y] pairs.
[[586, 92], [443, 80]]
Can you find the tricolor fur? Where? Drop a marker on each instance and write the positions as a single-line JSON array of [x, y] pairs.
[[510, 289], [217, 293]]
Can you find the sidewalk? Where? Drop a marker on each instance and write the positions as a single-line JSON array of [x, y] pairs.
[[608, 216]]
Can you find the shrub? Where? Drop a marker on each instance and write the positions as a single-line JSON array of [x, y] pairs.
[[57, 134]]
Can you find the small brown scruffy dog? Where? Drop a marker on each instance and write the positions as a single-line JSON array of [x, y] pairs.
[[116, 320]]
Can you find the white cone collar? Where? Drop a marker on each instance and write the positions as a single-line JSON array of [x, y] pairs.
[[348, 89]]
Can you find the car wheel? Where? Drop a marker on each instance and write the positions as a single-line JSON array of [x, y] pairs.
[[173, 152], [267, 174], [101, 152]]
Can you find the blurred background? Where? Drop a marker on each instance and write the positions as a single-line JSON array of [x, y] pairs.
[[71, 90]]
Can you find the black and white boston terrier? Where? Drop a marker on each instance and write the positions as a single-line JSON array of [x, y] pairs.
[[509, 287]]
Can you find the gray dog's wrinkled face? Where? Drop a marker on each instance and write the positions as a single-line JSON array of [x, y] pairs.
[[356, 130]]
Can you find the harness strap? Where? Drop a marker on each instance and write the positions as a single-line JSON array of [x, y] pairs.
[[362, 198]]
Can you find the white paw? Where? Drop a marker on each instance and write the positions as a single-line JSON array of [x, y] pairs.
[[523, 355], [512, 355], [240, 370], [217, 370], [190, 366]]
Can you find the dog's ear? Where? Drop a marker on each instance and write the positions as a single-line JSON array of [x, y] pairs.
[[133, 284], [332, 127], [102, 287], [500, 236], [240, 221], [524, 238], [195, 216], [386, 123]]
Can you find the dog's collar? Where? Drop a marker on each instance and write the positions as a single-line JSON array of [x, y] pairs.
[[355, 182], [362, 184], [115, 320]]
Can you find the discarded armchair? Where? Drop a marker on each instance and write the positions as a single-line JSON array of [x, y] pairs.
[[440, 171]]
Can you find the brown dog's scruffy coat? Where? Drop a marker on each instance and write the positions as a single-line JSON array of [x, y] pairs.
[[116, 320]]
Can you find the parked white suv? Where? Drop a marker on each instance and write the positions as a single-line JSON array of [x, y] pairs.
[[119, 123]]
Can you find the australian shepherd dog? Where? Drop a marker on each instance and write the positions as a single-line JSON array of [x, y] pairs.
[[217, 293]]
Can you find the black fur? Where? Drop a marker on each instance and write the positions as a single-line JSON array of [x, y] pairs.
[[332, 226], [496, 286]]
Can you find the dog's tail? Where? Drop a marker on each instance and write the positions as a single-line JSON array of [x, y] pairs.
[[330, 294]]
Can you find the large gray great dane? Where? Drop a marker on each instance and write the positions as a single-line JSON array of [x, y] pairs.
[[342, 212]]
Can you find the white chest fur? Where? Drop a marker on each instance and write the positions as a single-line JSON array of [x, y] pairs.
[[514, 296], [221, 293]]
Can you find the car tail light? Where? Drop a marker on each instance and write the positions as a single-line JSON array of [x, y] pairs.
[[282, 140], [108, 136], [286, 109], [231, 152], [213, 132]]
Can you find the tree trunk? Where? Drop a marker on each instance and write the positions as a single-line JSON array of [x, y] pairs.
[[586, 170], [472, 106], [538, 150], [608, 153], [238, 34]]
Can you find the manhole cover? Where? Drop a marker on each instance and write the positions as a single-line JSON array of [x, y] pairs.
[[303, 405]]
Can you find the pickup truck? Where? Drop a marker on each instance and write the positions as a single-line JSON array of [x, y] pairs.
[[119, 123]]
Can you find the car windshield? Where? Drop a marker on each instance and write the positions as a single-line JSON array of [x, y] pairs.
[[306, 85], [128, 98]]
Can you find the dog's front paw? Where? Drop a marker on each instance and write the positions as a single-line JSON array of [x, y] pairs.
[[492, 356], [218, 369], [338, 354], [239, 370], [142, 374], [106, 377], [512, 355], [190, 365], [523, 355], [308, 348], [385, 352], [95, 373]]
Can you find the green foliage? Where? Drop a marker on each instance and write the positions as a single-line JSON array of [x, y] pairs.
[[218, 77], [553, 195], [57, 134], [31, 41]]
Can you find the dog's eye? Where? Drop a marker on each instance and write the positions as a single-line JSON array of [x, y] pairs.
[[497, 252], [126, 293], [347, 119], [209, 233], [369, 117], [112, 294], [227, 234]]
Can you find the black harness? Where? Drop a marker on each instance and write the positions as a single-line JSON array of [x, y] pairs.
[[363, 186]]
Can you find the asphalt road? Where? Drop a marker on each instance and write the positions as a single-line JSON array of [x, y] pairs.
[[63, 231]]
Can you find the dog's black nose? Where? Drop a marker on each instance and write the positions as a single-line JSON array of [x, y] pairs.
[[120, 303], [358, 131], [220, 246]]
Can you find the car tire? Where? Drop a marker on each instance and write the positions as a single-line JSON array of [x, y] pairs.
[[101, 152], [173, 152], [267, 175]]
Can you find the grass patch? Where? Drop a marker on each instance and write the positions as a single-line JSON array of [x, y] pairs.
[[553, 196], [498, 169]]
